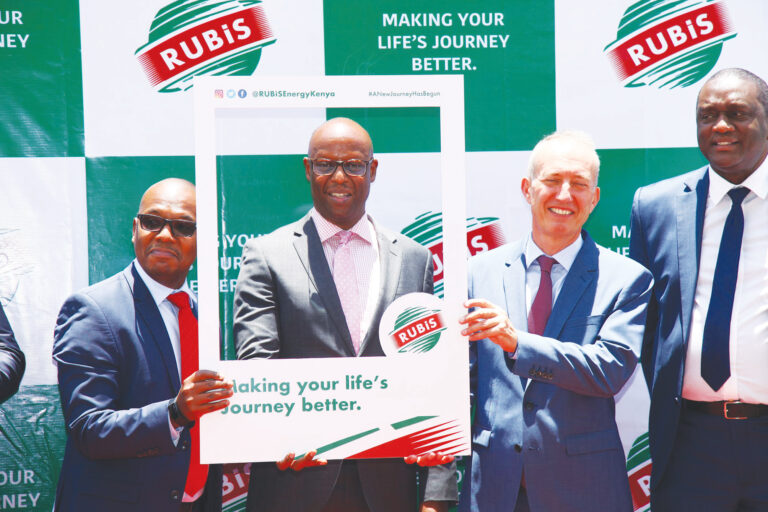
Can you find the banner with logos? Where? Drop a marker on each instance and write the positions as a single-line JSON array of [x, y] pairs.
[[97, 105]]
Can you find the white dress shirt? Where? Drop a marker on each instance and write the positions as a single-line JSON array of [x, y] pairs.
[[749, 321], [565, 259], [170, 314], [365, 254]]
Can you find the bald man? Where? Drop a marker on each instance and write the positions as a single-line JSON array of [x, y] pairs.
[[288, 304], [128, 409]]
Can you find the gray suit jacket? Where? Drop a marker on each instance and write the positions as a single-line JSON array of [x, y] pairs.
[[561, 429], [286, 306]]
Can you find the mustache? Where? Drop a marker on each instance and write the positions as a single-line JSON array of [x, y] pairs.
[[164, 247]]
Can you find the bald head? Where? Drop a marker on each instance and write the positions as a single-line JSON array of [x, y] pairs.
[[166, 254], [170, 189], [338, 195], [340, 128]]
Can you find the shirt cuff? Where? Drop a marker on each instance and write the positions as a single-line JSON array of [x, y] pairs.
[[175, 432]]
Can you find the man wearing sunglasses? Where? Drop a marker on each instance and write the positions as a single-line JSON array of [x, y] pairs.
[[123, 348], [318, 288]]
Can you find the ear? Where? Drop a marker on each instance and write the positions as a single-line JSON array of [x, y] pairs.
[[595, 198], [374, 166], [133, 230], [307, 169], [525, 187]]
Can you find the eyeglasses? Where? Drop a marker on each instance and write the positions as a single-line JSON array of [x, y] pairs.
[[179, 227], [324, 167]]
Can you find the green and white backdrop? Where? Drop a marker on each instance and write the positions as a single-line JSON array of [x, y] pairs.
[[95, 105]]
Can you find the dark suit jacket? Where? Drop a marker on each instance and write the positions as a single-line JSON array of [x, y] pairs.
[[286, 305], [12, 361], [667, 223], [562, 427], [117, 375]]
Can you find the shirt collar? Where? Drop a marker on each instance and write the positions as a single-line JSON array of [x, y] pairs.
[[565, 257], [159, 291], [326, 229], [757, 183]]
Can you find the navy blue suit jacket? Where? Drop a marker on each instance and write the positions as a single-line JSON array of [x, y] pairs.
[[562, 427], [12, 361], [667, 223], [117, 374]]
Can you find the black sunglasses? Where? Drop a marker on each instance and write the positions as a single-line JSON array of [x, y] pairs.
[[179, 227]]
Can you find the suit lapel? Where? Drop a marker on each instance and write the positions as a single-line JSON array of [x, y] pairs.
[[581, 274], [390, 263], [149, 321], [310, 251], [689, 233], [513, 278], [514, 287]]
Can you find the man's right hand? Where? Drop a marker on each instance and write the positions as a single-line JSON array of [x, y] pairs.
[[203, 392], [307, 461], [487, 320]]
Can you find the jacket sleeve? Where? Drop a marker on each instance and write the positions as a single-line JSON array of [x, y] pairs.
[[12, 362], [607, 355], [638, 251], [86, 351], [255, 315], [441, 484]]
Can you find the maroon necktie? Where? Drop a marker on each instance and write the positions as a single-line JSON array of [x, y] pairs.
[[198, 473], [542, 304]]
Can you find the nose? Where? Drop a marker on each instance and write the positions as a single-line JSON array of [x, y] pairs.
[[166, 232], [338, 175], [565, 191], [722, 124]]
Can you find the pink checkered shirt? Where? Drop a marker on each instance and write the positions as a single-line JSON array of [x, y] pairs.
[[365, 254]]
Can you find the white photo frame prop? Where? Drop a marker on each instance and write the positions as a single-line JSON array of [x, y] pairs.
[[345, 407]]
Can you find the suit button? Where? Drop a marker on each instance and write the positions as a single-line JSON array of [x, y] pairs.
[[184, 445], [518, 448], [677, 399], [532, 372], [529, 406], [175, 495]]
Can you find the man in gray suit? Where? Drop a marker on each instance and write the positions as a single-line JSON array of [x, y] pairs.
[[557, 327], [318, 288]]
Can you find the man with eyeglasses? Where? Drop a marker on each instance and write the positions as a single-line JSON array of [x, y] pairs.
[[126, 354], [318, 288]]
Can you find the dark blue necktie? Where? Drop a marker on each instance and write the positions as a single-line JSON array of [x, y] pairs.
[[715, 357]]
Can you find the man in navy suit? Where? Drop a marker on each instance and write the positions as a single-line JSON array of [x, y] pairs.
[[12, 361], [117, 348], [705, 349], [557, 324]]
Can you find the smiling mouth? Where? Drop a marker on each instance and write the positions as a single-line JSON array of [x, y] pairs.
[[560, 211], [340, 195], [725, 143]]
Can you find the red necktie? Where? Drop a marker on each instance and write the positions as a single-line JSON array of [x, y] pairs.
[[542, 304], [198, 473]]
